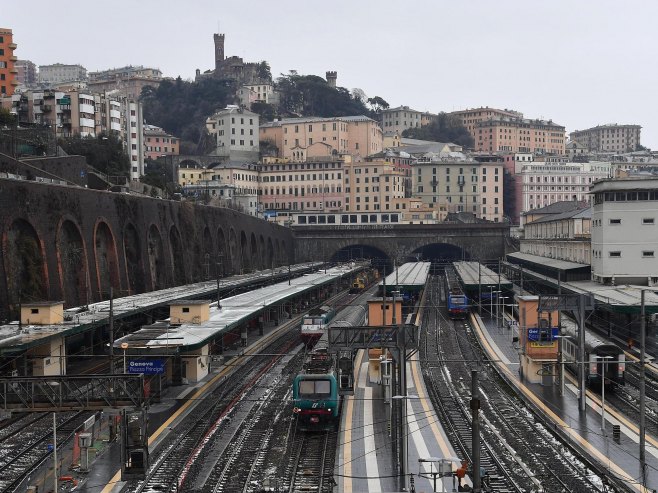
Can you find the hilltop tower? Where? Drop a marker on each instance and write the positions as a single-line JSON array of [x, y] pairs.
[[219, 49], [332, 76]]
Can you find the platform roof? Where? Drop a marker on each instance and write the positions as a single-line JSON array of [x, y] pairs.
[[474, 273], [234, 311], [14, 338], [552, 263], [409, 275], [624, 298]]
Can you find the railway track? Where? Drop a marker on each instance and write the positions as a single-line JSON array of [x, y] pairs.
[[26, 449], [518, 452]]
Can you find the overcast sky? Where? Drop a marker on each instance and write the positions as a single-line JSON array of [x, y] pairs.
[[578, 62]]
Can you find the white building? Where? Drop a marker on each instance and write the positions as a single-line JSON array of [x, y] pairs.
[[401, 118], [59, 72], [256, 93], [625, 231], [134, 135], [544, 183], [235, 131]]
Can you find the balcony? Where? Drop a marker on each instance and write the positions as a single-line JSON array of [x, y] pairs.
[[13, 58], [47, 108], [12, 46]]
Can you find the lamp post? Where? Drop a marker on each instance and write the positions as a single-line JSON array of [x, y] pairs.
[[604, 365], [500, 310], [491, 293], [404, 460], [124, 346]]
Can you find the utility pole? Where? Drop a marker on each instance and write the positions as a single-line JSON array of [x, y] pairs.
[[643, 463], [475, 445], [111, 322], [581, 352]]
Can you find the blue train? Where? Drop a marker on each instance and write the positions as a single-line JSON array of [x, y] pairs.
[[458, 305], [316, 389]]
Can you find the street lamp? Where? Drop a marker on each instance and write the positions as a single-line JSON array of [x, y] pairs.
[[500, 309], [491, 293], [124, 346], [404, 462], [604, 364]]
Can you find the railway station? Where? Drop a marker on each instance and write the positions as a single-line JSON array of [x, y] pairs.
[[47, 338]]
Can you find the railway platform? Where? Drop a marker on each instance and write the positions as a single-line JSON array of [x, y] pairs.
[[366, 459], [588, 431]]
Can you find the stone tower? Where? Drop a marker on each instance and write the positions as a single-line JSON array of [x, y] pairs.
[[331, 78], [219, 49]]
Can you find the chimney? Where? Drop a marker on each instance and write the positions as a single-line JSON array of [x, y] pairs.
[[332, 76]]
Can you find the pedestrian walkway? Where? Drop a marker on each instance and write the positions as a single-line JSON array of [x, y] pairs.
[[582, 429]]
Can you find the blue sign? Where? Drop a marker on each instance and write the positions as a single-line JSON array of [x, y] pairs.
[[543, 335], [146, 366], [50, 447]]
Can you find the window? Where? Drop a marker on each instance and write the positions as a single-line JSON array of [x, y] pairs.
[[34, 311], [647, 220], [186, 309], [615, 221], [647, 253], [615, 254]]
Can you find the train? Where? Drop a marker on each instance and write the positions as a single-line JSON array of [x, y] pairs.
[[458, 306], [363, 280], [316, 389], [315, 322], [602, 356], [344, 219]]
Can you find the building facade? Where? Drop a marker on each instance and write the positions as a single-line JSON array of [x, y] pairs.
[[256, 93], [519, 135], [470, 118], [300, 138], [376, 186], [545, 183], [158, 143], [625, 231], [235, 133], [60, 72], [26, 74], [402, 118], [609, 138], [8, 71], [129, 80]]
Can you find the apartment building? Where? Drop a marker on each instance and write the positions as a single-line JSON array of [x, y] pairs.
[[455, 182], [520, 135], [256, 93], [470, 118], [624, 231], [376, 186], [8, 71], [609, 138], [134, 137], [402, 118], [158, 143], [58, 73], [544, 183], [564, 235], [130, 80], [26, 74], [315, 185], [298, 139], [235, 132]]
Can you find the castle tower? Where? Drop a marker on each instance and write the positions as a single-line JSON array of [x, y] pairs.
[[219, 49], [331, 78]]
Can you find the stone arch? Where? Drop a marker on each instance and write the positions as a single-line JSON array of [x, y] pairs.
[[440, 252], [233, 252], [244, 253], [177, 256], [156, 258], [265, 263], [25, 264], [72, 264], [380, 259], [107, 259], [207, 254], [132, 250], [254, 257], [269, 255], [221, 256]]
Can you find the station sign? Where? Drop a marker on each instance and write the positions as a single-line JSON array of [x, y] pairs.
[[543, 334], [146, 366]]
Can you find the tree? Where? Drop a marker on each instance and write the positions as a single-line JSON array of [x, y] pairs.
[[444, 128], [263, 71], [6, 118], [359, 94], [266, 111], [377, 104], [104, 152]]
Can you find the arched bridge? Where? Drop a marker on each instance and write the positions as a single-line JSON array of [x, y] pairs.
[[445, 241]]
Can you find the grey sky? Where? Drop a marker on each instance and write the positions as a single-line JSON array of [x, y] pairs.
[[579, 63]]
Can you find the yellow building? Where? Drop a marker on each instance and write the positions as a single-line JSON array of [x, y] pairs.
[[373, 186]]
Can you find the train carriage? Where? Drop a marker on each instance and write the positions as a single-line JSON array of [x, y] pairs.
[[314, 324], [605, 361]]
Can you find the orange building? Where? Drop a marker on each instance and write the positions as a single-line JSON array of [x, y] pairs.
[[7, 60], [537, 340]]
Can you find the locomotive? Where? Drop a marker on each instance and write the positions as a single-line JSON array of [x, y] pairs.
[[457, 301], [314, 324]]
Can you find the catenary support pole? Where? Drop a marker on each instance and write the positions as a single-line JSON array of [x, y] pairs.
[[581, 352], [643, 463], [475, 446]]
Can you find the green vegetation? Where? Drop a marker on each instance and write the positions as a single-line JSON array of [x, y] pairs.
[[445, 128], [181, 107], [310, 95], [103, 152], [6, 118]]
